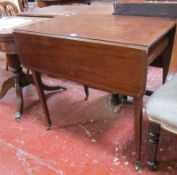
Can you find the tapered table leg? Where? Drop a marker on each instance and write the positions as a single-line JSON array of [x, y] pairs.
[[38, 83], [86, 89], [138, 129]]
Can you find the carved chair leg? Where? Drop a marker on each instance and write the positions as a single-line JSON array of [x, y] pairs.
[[154, 134], [86, 89], [38, 84]]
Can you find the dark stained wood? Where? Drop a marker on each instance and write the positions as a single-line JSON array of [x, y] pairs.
[[100, 9], [83, 66], [160, 9], [85, 50]]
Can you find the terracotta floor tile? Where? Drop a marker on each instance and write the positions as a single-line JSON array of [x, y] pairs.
[[87, 137]]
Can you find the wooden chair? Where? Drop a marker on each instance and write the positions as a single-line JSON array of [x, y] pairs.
[[8, 8], [23, 5], [44, 3], [162, 108], [162, 113]]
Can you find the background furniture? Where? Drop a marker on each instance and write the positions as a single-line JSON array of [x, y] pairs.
[[61, 10], [44, 3], [8, 45], [8, 8], [158, 8], [20, 79]]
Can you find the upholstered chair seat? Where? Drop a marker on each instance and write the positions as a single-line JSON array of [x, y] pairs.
[[162, 106], [161, 109]]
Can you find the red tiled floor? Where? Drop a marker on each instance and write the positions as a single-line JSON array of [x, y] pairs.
[[87, 138]]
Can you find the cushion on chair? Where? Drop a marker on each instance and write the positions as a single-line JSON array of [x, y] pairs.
[[162, 106]]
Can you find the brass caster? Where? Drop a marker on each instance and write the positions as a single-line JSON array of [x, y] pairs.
[[137, 165], [49, 127], [152, 165]]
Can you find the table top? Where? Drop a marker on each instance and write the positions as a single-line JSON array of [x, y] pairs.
[[8, 24], [140, 32], [63, 10]]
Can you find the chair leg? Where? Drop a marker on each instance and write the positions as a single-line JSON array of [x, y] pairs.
[[38, 83], [154, 134]]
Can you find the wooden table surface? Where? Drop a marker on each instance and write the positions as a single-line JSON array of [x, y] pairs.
[[8, 24], [107, 52], [125, 30], [63, 10]]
